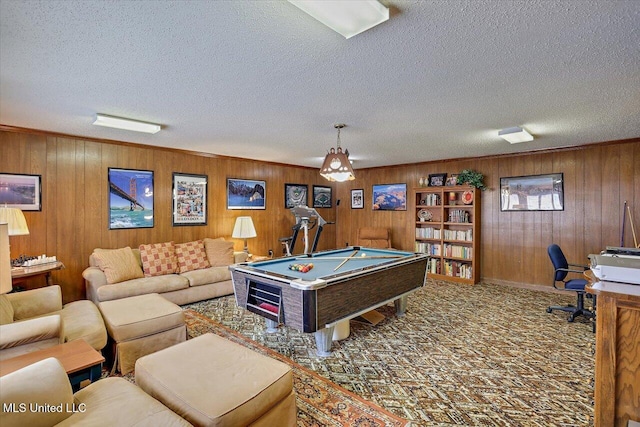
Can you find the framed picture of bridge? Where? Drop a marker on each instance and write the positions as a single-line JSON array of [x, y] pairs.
[[189, 199], [130, 198]]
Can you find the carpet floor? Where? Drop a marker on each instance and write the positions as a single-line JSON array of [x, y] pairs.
[[483, 355]]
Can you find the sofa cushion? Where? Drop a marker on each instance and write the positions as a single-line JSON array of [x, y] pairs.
[[147, 285], [207, 275], [118, 265], [191, 256], [158, 259], [6, 311], [219, 252]]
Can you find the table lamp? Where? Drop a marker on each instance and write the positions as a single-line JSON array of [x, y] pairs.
[[15, 221], [5, 260], [244, 229]]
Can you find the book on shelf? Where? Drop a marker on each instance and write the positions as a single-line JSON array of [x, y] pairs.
[[459, 215], [431, 200], [462, 235], [458, 269], [458, 251], [434, 249], [428, 233]]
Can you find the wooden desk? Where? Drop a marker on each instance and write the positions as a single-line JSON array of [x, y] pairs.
[[78, 358], [617, 379], [22, 274]]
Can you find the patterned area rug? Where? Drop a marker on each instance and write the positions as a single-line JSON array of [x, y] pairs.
[[483, 355], [320, 402]]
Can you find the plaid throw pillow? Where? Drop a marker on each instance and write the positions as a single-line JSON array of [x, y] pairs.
[[191, 256], [158, 259]]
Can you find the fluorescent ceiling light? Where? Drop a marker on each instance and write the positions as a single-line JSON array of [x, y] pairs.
[[127, 124], [345, 17], [515, 135]]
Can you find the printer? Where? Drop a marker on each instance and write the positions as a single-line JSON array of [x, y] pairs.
[[617, 264]]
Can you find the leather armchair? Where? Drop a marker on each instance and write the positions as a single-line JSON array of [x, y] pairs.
[[36, 319]]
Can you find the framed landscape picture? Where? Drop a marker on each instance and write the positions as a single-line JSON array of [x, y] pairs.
[[321, 196], [532, 193], [189, 199], [130, 198], [246, 194], [390, 197], [295, 195], [20, 191]]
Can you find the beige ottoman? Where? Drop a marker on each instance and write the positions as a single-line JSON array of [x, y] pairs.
[[211, 381], [141, 325]]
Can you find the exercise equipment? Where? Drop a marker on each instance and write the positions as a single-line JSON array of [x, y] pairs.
[[306, 219]]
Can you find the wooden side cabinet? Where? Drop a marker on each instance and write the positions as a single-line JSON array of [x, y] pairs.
[[617, 364]]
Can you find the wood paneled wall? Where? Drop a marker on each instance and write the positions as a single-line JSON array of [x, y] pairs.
[[598, 178], [74, 216]]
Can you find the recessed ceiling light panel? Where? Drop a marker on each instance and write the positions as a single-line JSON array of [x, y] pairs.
[[345, 17], [515, 135], [126, 124]]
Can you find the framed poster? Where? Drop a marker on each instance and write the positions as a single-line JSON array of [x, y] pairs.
[[189, 199], [246, 194], [321, 196], [295, 195], [390, 197], [532, 193], [357, 199], [21, 191], [130, 198]]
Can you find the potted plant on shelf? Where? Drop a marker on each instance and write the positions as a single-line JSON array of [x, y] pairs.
[[472, 178]]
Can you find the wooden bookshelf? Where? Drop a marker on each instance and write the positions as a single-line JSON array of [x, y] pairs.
[[448, 229]]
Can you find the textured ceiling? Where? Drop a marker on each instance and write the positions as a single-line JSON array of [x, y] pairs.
[[263, 80]]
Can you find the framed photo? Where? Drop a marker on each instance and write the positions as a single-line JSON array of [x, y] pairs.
[[321, 196], [390, 197], [357, 199], [246, 194], [295, 195], [437, 179], [189, 199], [20, 191], [130, 198], [532, 193], [452, 180]]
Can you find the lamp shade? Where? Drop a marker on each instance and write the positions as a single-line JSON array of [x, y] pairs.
[[5, 260], [15, 220], [244, 228]]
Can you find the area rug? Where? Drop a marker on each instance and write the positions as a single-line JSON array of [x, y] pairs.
[[320, 402], [483, 355]]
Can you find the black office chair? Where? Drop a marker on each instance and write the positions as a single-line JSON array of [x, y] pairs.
[[561, 270]]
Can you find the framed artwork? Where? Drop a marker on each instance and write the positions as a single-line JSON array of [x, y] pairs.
[[532, 193], [130, 198], [390, 197], [189, 199], [357, 199], [452, 180], [246, 194], [437, 179], [21, 191], [295, 195], [321, 196]]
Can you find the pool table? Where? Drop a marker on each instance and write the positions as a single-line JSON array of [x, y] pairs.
[[343, 284]]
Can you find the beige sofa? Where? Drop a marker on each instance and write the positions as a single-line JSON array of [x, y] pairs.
[[41, 395], [36, 319], [182, 273]]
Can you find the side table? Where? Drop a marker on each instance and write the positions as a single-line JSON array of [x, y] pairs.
[[79, 359], [22, 274]]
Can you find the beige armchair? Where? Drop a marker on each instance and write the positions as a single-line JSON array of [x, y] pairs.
[[36, 319], [111, 401]]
